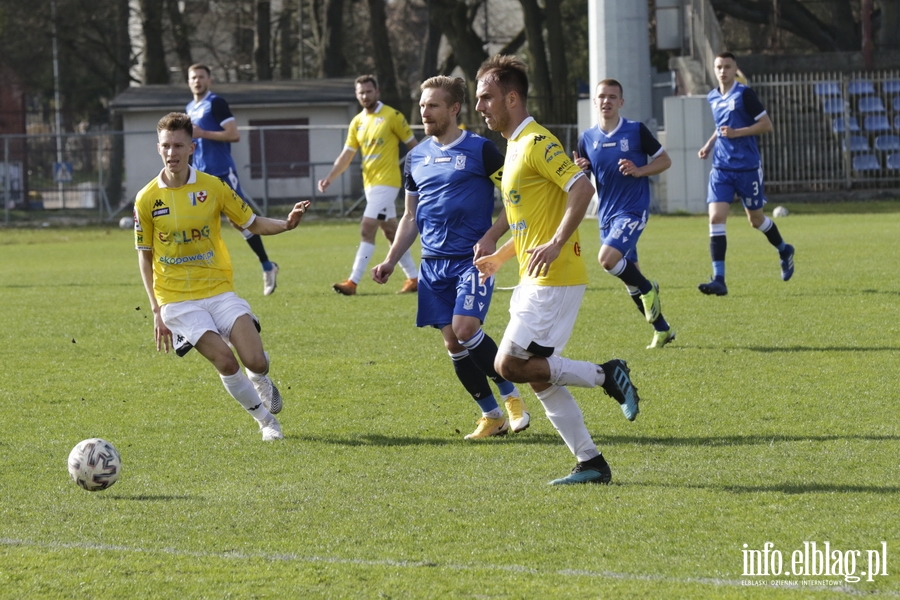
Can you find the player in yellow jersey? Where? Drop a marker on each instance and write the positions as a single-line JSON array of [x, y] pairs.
[[376, 133], [187, 272], [545, 196]]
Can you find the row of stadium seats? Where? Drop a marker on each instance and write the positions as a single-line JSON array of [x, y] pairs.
[[864, 105], [857, 87], [860, 143], [870, 123], [871, 162]]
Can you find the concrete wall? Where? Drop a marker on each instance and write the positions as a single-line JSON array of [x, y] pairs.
[[689, 124]]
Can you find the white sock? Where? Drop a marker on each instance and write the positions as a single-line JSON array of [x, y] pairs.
[[363, 254], [580, 373], [257, 376], [408, 265], [241, 389], [563, 412]]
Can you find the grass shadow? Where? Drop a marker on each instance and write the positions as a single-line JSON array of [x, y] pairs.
[[778, 488], [738, 440], [147, 497], [388, 441]]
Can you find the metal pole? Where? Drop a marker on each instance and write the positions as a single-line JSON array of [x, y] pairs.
[[265, 172], [6, 179], [59, 188]]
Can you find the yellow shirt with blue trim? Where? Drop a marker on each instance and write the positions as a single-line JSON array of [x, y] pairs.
[[377, 136], [537, 176], [182, 226]]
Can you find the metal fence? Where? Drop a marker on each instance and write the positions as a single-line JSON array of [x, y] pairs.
[[833, 131]]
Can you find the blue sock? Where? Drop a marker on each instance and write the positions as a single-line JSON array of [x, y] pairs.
[[719, 270], [268, 266], [506, 387]]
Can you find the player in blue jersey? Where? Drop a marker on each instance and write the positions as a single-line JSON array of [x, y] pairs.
[[615, 151], [449, 180], [737, 169], [215, 129]]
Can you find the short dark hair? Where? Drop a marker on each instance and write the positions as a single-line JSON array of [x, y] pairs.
[[198, 67], [612, 83], [176, 121], [366, 79], [455, 87], [726, 55], [508, 72]]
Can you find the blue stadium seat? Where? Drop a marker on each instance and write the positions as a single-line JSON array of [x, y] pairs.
[[893, 161], [887, 142], [840, 124], [891, 87], [858, 143], [827, 88], [897, 122], [896, 102], [866, 162], [860, 87], [877, 123], [833, 106], [870, 104]]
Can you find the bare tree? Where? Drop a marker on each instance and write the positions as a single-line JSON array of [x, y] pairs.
[[155, 69], [262, 53], [181, 34], [384, 61]]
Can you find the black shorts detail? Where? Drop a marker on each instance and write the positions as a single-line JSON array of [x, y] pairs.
[[539, 350]]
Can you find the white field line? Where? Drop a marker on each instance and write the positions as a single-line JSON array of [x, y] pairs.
[[413, 564]]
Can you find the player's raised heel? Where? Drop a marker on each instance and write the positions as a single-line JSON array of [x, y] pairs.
[[618, 385], [650, 300], [519, 419], [346, 288], [787, 262], [269, 280], [409, 286], [595, 470]]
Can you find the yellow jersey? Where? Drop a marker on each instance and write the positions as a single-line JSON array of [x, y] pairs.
[[182, 227], [378, 136], [537, 175]]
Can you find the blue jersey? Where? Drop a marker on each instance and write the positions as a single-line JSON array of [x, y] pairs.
[[738, 108], [617, 193], [455, 186], [212, 157]]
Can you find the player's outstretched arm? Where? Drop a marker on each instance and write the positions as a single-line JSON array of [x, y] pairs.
[[488, 243], [340, 165], [406, 234], [161, 333], [708, 146], [267, 226]]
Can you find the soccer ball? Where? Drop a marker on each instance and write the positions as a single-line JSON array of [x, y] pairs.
[[94, 464], [780, 211], [126, 222]]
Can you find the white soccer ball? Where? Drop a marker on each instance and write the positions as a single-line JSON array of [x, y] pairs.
[[780, 211], [94, 464], [126, 222]]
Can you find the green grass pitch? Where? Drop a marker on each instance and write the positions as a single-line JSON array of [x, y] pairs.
[[772, 418]]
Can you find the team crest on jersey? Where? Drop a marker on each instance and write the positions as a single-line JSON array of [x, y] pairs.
[[379, 120], [623, 145], [731, 105], [469, 303], [460, 162], [197, 197]]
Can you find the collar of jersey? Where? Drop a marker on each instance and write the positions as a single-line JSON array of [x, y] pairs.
[[455, 142], [192, 177], [615, 129], [521, 126]]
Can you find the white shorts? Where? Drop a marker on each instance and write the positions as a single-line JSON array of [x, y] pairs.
[[190, 319], [381, 202], [541, 319]]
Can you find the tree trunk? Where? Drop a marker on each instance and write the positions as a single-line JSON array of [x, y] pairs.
[[889, 30], [432, 44], [155, 69], [334, 63], [181, 34], [286, 43], [452, 16], [563, 105], [262, 54], [384, 61], [122, 52], [541, 87]]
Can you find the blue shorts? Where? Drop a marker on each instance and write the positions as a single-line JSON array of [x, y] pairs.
[[623, 233], [449, 286], [723, 185], [232, 180]]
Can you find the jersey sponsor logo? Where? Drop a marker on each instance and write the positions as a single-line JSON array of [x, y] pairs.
[[563, 167], [577, 249], [140, 239], [513, 197], [180, 260], [520, 226], [606, 145], [539, 138], [195, 235], [549, 153], [158, 203], [623, 144], [460, 162], [160, 212], [137, 221], [442, 159]]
